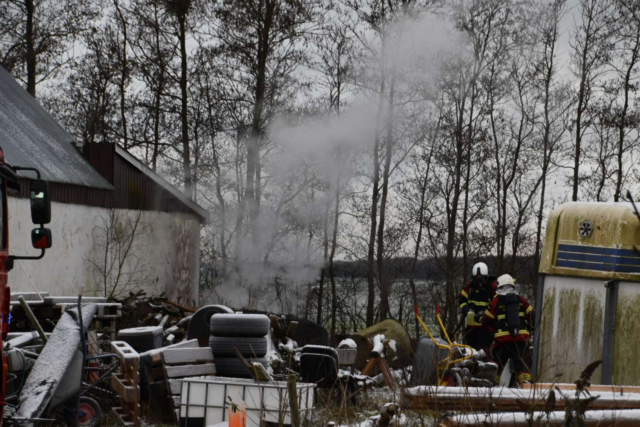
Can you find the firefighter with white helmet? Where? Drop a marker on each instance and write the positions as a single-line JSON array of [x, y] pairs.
[[473, 301], [510, 318]]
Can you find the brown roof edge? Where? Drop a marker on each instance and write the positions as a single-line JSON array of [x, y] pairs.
[[172, 189]]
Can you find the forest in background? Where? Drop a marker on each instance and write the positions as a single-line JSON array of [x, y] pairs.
[[403, 139]]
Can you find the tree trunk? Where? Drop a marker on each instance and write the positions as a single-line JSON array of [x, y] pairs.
[[325, 245], [184, 113], [158, 96], [332, 276], [623, 117], [371, 278], [452, 220], [546, 155], [31, 50], [465, 213], [218, 185], [252, 191], [580, 109], [385, 283], [124, 72], [416, 252]]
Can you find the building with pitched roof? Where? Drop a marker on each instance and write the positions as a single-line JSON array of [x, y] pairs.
[[117, 225]]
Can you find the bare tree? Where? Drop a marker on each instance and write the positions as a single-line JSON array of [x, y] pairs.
[[37, 36], [554, 100], [628, 57], [262, 41], [120, 258], [590, 52]]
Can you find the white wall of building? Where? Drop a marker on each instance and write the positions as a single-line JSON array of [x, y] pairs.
[[166, 257]]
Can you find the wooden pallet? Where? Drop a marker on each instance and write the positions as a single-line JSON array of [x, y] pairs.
[[156, 390], [126, 384], [181, 363]]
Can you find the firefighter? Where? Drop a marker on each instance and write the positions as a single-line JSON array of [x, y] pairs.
[[510, 317], [473, 301]]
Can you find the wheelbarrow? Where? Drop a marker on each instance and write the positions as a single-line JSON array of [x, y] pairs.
[[71, 395]]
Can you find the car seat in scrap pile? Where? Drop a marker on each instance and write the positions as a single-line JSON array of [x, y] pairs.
[[319, 365]]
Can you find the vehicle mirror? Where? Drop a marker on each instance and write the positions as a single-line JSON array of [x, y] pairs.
[[40, 196], [41, 238]]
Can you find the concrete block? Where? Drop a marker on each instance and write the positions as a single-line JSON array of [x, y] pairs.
[[190, 370], [154, 356], [181, 356], [128, 392]]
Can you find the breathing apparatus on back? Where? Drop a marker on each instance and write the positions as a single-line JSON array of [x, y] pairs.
[[507, 290]]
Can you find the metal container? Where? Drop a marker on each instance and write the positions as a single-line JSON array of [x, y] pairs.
[[204, 402], [142, 339]]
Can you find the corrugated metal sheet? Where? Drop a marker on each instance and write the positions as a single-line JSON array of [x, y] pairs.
[[139, 187], [29, 136], [74, 194], [135, 189]]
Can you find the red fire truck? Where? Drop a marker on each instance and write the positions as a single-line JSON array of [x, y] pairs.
[[40, 198]]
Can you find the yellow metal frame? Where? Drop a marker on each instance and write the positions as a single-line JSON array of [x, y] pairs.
[[449, 360]]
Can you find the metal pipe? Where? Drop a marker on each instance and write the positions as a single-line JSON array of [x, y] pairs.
[[32, 318]]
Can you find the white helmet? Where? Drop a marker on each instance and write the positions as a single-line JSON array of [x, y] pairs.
[[481, 269], [506, 284]]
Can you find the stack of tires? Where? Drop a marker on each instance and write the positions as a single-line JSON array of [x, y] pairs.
[[246, 332]]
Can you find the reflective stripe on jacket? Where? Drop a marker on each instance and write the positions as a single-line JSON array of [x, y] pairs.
[[478, 296]]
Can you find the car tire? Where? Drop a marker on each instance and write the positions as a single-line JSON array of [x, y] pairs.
[[200, 322], [232, 367], [248, 346], [240, 325]]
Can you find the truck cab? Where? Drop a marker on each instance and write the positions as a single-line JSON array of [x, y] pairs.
[[40, 201]]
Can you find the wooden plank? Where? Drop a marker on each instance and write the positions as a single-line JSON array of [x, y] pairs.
[[175, 386], [159, 389], [182, 371], [621, 418], [593, 388], [181, 356], [503, 399]]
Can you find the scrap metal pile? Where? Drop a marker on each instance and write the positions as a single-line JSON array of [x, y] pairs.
[[76, 362], [185, 365]]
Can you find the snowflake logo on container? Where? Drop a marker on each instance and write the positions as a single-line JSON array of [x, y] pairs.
[[585, 230]]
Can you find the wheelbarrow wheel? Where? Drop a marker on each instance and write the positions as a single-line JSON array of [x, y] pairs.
[[90, 413]]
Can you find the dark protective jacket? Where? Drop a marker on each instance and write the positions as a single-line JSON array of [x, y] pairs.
[[510, 317], [477, 295]]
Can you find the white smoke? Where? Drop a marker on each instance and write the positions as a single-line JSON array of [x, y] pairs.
[[329, 145]]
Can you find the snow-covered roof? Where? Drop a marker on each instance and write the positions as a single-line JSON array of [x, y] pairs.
[[30, 137]]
